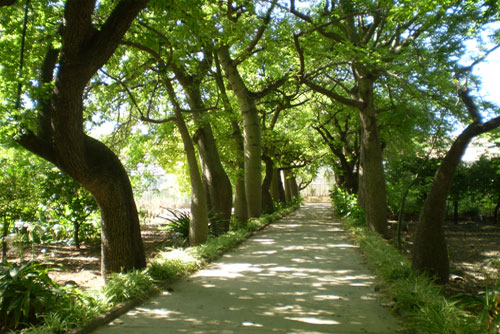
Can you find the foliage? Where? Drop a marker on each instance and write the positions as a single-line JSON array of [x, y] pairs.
[[179, 224], [346, 205], [121, 287], [487, 302], [27, 294]]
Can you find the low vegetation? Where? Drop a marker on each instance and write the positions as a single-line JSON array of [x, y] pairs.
[[33, 303], [415, 297]]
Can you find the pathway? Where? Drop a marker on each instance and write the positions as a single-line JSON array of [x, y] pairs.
[[299, 275]]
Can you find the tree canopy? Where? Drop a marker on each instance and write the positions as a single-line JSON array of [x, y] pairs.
[[246, 100]]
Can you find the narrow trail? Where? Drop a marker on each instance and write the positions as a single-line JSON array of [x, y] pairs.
[[299, 275]]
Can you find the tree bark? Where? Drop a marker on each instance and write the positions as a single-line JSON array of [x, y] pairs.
[[240, 199], [430, 254], [218, 187], [251, 134], [288, 191], [372, 178], [61, 138], [198, 228], [267, 199], [198, 225]]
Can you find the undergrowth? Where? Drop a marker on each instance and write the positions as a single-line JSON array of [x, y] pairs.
[[414, 296], [75, 307]]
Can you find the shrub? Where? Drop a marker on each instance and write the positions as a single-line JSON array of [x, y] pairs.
[[124, 286], [26, 294], [346, 205], [179, 224]]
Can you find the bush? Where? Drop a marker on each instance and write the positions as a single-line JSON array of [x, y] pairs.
[[26, 294], [124, 286], [179, 224], [346, 205]]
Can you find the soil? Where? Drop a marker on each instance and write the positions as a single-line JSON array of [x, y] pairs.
[[81, 267], [472, 246]]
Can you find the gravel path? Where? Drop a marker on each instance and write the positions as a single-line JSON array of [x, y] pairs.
[[299, 275]]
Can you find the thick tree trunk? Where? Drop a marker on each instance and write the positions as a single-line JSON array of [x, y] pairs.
[[267, 199], [61, 138], [430, 253], [373, 178], [251, 134]]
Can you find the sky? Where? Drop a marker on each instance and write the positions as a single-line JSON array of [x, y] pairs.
[[489, 90]]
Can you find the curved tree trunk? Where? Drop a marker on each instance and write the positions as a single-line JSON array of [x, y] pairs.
[[430, 253], [251, 134], [61, 138], [122, 247]]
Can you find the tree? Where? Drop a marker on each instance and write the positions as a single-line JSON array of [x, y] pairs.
[[59, 135], [430, 254], [361, 53]]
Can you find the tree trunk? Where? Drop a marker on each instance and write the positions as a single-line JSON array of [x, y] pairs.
[[277, 191], [198, 225], [5, 233], [240, 199], [294, 188], [288, 191], [374, 197], [76, 234], [218, 187], [251, 134], [430, 254], [86, 47], [267, 199]]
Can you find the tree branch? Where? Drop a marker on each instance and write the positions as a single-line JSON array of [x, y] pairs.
[[4, 3]]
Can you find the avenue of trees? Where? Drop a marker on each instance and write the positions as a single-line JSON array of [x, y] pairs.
[[245, 101]]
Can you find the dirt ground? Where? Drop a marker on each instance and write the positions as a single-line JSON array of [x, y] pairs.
[[82, 266], [471, 247]]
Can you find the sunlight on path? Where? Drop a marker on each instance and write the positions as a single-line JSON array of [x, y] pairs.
[[299, 275]]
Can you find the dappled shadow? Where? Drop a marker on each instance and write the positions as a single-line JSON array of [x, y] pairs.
[[300, 275]]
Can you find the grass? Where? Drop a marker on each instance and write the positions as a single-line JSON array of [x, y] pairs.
[[413, 296], [168, 265]]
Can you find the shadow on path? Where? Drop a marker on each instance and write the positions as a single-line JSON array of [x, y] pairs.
[[299, 275]]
